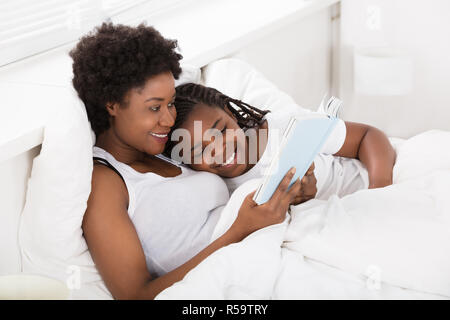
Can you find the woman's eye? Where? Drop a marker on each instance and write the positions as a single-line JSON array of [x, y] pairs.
[[155, 108], [172, 104]]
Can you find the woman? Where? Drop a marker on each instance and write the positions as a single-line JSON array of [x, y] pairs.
[[125, 77]]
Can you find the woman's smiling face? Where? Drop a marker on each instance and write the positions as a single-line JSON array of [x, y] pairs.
[[221, 151], [148, 115]]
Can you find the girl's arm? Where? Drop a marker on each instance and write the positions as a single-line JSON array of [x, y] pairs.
[[371, 146]]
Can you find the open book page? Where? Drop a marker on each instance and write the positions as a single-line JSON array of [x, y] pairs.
[[331, 106]]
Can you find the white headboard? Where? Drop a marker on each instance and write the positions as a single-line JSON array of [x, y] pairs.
[[21, 136]]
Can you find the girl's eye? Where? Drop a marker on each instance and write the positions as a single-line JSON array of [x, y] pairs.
[[197, 154], [155, 108], [172, 104]]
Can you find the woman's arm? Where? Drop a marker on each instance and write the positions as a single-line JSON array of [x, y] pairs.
[[110, 235], [371, 146], [116, 248]]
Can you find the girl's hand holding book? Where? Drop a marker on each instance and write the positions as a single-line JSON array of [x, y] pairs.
[[308, 188]]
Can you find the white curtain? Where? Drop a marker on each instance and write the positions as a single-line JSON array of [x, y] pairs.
[[28, 27]]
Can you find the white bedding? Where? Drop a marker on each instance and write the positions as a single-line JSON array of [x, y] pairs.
[[389, 243]]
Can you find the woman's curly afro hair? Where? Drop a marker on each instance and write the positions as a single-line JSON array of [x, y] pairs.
[[112, 59]]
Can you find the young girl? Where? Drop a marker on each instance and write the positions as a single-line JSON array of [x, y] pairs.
[[355, 157]]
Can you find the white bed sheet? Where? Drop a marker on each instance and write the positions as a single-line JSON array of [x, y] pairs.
[[233, 272], [339, 249], [305, 279]]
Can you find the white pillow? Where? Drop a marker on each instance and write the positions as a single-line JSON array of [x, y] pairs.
[[189, 73], [421, 155], [239, 80], [50, 234]]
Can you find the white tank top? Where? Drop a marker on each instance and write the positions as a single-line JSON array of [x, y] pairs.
[[174, 217]]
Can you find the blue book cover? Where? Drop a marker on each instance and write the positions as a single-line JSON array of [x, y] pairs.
[[302, 141]]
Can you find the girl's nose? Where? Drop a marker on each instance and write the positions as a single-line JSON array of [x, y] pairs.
[[221, 150], [217, 149]]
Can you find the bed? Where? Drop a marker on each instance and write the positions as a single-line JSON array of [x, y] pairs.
[[335, 249]]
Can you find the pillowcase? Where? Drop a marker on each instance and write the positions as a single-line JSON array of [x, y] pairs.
[[421, 155], [188, 74], [239, 80], [50, 235]]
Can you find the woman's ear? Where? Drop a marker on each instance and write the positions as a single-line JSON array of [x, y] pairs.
[[111, 108]]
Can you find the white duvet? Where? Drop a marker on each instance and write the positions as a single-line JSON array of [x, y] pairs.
[[388, 243]]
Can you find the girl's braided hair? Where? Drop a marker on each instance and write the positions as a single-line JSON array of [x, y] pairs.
[[190, 95]]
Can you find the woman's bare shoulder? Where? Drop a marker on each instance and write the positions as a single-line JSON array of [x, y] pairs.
[[107, 187], [111, 237]]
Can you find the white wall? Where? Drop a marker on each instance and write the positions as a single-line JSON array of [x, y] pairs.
[[422, 29], [296, 58]]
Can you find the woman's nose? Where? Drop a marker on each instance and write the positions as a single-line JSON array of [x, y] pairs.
[[167, 118]]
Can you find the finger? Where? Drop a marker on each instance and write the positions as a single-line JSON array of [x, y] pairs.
[[294, 191], [283, 186], [297, 200], [249, 199], [311, 185], [309, 193], [310, 170], [305, 180], [295, 197], [309, 189], [288, 198], [309, 180]]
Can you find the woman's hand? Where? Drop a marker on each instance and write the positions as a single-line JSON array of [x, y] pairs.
[[308, 189], [252, 217]]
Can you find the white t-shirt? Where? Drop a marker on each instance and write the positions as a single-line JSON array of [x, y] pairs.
[[173, 217], [335, 175]]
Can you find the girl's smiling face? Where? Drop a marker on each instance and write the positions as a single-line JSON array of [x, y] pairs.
[[223, 150]]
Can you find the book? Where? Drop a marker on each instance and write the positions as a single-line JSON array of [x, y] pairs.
[[332, 107], [302, 140]]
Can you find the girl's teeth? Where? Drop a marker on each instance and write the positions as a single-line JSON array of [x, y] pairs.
[[230, 159]]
